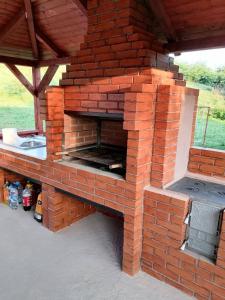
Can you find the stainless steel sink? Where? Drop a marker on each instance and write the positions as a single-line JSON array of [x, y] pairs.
[[32, 143]]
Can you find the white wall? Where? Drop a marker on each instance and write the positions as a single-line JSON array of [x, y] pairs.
[[184, 136]]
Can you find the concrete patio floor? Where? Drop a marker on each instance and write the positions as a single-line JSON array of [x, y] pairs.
[[81, 262]]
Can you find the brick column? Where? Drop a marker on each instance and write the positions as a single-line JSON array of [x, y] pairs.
[[167, 123], [139, 121], [61, 210], [132, 245], [54, 122], [164, 233]]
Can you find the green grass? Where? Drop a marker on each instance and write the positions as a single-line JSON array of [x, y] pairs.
[[215, 137], [20, 117], [16, 103], [208, 96]]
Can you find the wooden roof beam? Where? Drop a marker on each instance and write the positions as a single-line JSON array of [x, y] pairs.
[[31, 27], [54, 61], [42, 38], [17, 61], [21, 78], [82, 6], [162, 17], [47, 78], [12, 24], [196, 44]]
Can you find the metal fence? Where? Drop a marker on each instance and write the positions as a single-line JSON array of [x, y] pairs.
[[209, 131]]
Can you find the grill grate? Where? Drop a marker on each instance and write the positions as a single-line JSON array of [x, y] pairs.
[[108, 156]]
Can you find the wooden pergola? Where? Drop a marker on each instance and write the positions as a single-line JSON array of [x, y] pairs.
[[39, 33], [190, 25]]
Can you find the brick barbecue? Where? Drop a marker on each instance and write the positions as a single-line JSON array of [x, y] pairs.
[[122, 76], [119, 129]]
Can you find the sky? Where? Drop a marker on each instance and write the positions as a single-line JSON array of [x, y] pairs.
[[212, 58]]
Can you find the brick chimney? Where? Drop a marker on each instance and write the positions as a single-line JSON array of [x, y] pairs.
[[120, 59], [119, 43]]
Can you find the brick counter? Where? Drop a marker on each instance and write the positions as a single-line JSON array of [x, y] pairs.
[[105, 190], [208, 162], [164, 233]]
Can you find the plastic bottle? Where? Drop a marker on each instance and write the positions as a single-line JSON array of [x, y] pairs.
[[6, 193], [20, 191], [13, 196], [30, 186], [38, 210], [26, 199]]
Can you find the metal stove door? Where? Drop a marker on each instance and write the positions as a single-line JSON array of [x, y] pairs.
[[203, 229]]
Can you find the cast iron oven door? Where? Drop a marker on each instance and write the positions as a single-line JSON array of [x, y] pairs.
[[205, 216], [203, 231]]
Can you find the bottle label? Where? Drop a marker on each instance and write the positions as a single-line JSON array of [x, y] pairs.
[[26, 200]]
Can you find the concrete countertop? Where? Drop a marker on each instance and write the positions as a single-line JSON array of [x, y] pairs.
[[39, 153]]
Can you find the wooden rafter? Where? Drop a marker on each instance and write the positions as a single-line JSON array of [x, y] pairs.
[[17, 61], [82, 6], [31, 27], [35, 63], [197, 44], [26, 13], [49, 44], [84, 3], [161, 15], [47, 78], [37, 87], [54, 61], [12, 24], [21, 78]]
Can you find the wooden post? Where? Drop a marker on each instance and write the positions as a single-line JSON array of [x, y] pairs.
[[47, 78], [36, 74], [39, 87], [206, 126]]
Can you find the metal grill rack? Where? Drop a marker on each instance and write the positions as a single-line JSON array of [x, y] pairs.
[[103, 156]]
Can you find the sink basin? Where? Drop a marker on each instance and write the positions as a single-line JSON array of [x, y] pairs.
[[32, 143], [28, 143]]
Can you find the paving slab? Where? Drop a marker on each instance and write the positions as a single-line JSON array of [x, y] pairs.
[[81, 262]]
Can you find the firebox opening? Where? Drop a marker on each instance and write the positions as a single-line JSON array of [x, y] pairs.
[[205, 215], [96, 140]]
